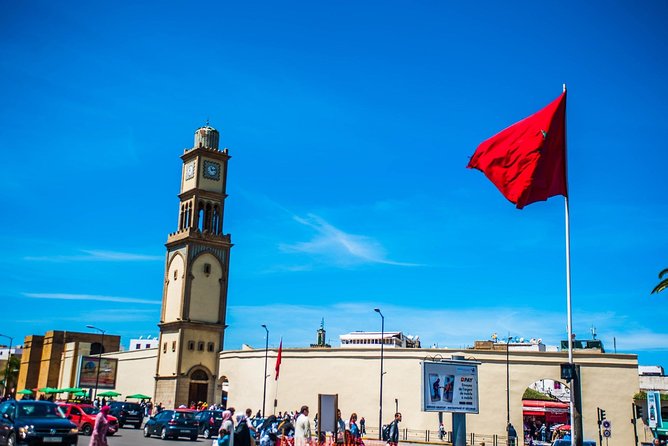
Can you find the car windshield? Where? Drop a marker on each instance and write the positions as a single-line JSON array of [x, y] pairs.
[[184, 416], [35, 410], [90, 410]]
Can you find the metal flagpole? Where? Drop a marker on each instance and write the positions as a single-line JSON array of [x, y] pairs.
[[569, 314]]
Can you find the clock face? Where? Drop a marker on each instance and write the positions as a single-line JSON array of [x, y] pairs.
[[190, 170], [211, 170]]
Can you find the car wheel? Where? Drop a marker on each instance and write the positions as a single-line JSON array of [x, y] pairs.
[[163, 433], [138, 426], [87, 429], [146, 432], [11, 440], [207, 433]]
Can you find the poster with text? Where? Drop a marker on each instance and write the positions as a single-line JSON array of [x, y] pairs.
[[450, 386], [88, 372]]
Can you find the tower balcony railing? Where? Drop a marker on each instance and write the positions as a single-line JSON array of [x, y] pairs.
[[196, 233]]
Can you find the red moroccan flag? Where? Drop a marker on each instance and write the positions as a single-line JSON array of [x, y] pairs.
[[527, 161], [278, 359]]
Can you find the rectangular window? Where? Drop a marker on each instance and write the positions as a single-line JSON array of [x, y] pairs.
[[210, 346], [137, 346], [173, 346], [148, 345], [164, 347]]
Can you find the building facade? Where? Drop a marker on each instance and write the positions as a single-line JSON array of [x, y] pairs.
[[42, 356], [194, 299]]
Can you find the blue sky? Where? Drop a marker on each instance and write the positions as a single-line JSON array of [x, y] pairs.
[[350, 125]]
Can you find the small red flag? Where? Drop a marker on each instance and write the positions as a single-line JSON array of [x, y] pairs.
[[527, 161], [278, 359]]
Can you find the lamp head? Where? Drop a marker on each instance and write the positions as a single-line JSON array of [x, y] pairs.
[[377, 310]]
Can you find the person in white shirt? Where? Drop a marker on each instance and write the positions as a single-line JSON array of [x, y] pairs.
[[302, 428]]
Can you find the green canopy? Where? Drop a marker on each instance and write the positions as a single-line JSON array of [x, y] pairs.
[[80, 393], [139, 396], [49, 390], [25, 392], [108, 393], [71, 389]]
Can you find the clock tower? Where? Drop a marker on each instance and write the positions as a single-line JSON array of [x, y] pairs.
[[194, 298]]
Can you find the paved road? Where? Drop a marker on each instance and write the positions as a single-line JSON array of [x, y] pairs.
[[128, 436]]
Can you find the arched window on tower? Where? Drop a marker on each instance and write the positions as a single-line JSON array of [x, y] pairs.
[[215, 220], [200, 217]]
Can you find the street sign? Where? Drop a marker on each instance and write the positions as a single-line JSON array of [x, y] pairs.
[[607, 433], [606, 424]]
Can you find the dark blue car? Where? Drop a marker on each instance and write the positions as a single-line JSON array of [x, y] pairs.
[[173, 424], [35, 422]]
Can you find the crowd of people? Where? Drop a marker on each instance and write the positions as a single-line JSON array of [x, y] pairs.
[[295, 427]]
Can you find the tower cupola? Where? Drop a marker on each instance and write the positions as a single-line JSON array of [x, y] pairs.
[[206, 137]]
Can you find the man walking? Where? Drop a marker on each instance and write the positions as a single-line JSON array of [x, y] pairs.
[[393, 439], [302, 428]]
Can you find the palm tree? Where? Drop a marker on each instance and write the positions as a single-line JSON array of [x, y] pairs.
[[664, 282]]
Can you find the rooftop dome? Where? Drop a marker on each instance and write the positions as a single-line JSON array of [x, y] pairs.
[[206, 137]]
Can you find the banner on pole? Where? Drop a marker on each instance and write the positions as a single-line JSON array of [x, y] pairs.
[[450, 386], [654, 409]]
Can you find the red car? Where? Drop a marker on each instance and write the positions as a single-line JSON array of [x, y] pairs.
[[83, 415]]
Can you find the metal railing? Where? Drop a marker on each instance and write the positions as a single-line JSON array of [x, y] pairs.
[[432, 436]]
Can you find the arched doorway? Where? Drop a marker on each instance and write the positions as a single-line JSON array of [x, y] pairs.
[[545, 411], [224, 388], [199, 386]]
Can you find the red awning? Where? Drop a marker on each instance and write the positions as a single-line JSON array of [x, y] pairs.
[[553, 411]]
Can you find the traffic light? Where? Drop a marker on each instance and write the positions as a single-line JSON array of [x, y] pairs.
[[567, 371], [602, 414], [638, 411]]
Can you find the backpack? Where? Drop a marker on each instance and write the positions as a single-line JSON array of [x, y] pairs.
[[386, 432]]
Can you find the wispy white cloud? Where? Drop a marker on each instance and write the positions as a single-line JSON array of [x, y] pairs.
[[97, 256], [108, 315], [338, 246], [94, 297]]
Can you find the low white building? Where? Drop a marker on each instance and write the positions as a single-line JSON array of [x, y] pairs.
[[143, 343], [388, 338]]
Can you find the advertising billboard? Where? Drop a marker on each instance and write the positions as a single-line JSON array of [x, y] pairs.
[[88, 369], [450, 386]]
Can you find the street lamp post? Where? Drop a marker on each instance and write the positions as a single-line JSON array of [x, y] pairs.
[[9, 356], [382, 344], [507, 382], [99, 358], [264, 377]]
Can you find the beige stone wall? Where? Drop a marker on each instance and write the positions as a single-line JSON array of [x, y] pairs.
[[609, 382], [136, 371], [205, 289], [172, 309], [205, 359], [169, 356]]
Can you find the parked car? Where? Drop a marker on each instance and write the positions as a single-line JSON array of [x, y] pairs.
[[83, 415], [35, 422], [173, 424], [209, 422], [127, 413]]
